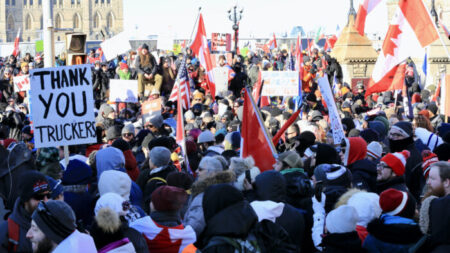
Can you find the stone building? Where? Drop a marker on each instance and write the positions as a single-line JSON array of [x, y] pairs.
[[96, 18]]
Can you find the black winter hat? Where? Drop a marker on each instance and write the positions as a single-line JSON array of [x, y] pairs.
[[121, 144], [405, 126], [32, 184], [144, 46]]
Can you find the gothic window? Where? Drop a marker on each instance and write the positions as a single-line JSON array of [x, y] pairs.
[[28, 25], [109, 20], [96, 20], [10, 23], [76, 21], [58, 21]]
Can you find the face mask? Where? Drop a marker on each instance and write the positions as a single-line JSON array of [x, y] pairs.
[[400, 145]]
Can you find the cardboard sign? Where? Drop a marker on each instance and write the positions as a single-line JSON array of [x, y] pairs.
[[335, 120], [123, 91], [221, 79], [221, 42], [62, 106], [280, 83], [6, 50], [21, 83], [116, 45], [150, 109]]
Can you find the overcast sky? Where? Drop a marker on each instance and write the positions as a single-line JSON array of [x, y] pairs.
[[260, 17]]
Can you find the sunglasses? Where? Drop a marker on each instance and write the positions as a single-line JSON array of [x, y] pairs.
[[150, 126], [41, 196], [128, 135]]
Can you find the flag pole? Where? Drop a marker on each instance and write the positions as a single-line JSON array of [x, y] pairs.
[[193, 29], [439, 34]]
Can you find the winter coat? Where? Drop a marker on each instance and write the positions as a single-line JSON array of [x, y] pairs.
[[364, 175], [194, 213], [135, 238], [342, 243], [413, 172], [150, 68], [23, 219], [333, 193], [434, 221], [392, 234], [397, 183], [154, 181], [272, 186], [81, 201]]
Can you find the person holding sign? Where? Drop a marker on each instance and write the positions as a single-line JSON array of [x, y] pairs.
[[148, 79]]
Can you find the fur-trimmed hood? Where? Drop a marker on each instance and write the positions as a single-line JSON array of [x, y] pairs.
[[424, 221], [217, 178]]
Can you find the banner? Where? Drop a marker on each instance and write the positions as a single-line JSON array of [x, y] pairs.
[[117, 45], [62, 106], [220, 42], [123, 91], [21, 83], [150, 109], [280, 83], [39, 46], [335, 120]]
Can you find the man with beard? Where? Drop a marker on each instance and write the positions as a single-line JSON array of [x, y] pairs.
[[390, 172], [291, 134], [401, 138], [53, 229], [438, 182], [33, 188]]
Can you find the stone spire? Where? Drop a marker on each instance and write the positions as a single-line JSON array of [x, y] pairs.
[[352, 9]]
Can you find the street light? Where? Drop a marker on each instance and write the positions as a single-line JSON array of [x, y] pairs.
[[235, 15]]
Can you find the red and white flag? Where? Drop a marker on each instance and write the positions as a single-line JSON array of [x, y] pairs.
[[182, 86], [364, 10], [200, 48], [16, 44], [256, 142], [164, 239], [256, 93], [410, 31], [299, 57]]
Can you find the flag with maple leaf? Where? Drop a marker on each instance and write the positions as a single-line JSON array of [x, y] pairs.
[[410, 31], [164, 239]]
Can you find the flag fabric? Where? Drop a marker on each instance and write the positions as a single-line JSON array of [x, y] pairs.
[[283, 129], [180, 138], [200, 48], [272, 44], [410, 31], [363, 11], [182, 86], [310, 46], [393, 80], [256, 93], [446, 31], [256, 142], [16, 44], [274, 41], [164, 239], [299, 68]]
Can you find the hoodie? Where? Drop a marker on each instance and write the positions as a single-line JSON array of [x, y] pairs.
[[23, 219], [109, 158]]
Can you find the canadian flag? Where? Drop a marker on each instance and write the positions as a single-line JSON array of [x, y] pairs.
[[200, 48], [164, 239], [16, 44], [363, 11], [410, 31], [256, 142]]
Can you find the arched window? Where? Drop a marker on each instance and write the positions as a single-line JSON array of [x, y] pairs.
[[76, 21], [110, 20], [28, 22], [10, 23], [58, 21], [96, 20]]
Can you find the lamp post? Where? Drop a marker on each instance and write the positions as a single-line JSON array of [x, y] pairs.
[[235, 15], [434, 13]]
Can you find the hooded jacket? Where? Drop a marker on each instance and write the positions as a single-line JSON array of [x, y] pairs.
[[434, 221], [23, 219], [342, 243], [109, 159], [364, 172]]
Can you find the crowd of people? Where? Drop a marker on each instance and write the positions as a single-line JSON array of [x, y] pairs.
[[384, 188]]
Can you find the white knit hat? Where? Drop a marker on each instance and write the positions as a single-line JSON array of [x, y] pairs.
[[342, 220], [374, 150], [113, 201], [115, 181]]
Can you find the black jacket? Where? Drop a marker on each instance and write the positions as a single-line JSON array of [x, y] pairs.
[[364, 175], [397, 183], [440, 223], [413, 172], [151, 68], [23, 219], [342, 243]]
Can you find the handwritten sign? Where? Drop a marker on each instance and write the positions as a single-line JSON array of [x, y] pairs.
[[150, 109], [123, 91], [21, 83], [280, 83]]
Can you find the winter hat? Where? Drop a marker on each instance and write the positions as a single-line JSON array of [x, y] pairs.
[[443, 129], [163, 141], [77, 173], [206, 136], [189, 115], [27, 130], [109, 158], [113, 201], [354, 133], [234, 138], [428, 138], [7, 142], [107, 109], [113, 132], [366, 205], [195, 133], [115, 181], [369, 135], [55, 219], [160, 156], [348, 123], [240, 165], [338, 175], [32, 184], [374, 150], [443, 151], [291, 158], [56, 187], [157, 121], [180, 180], [239, 184], [397, 203], [355, 150], [397, 161], [123, 66], [379, 127], [168, 198], [342, 220], [47, 156], [325, 154], [128, 129], [428, 159], [144, 46], [211, 164], [404, 127]]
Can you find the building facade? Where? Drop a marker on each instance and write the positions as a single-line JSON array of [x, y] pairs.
[[97, 18]]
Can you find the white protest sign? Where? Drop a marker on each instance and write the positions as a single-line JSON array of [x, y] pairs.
[[6, 50], [164, 42], [280, 83], [335, 120], [116, 45], [21, 83], [220, 79], [62, 106], [123, 91]]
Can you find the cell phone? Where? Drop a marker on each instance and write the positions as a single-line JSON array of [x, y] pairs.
[[248, 176]]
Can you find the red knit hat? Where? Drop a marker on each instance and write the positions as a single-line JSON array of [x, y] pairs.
[[168, 198], [397, 161], [428, 159], [123, 66], [398, 203]]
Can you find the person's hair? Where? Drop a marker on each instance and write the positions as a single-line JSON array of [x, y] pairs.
[[423, 122], [444, 169]]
